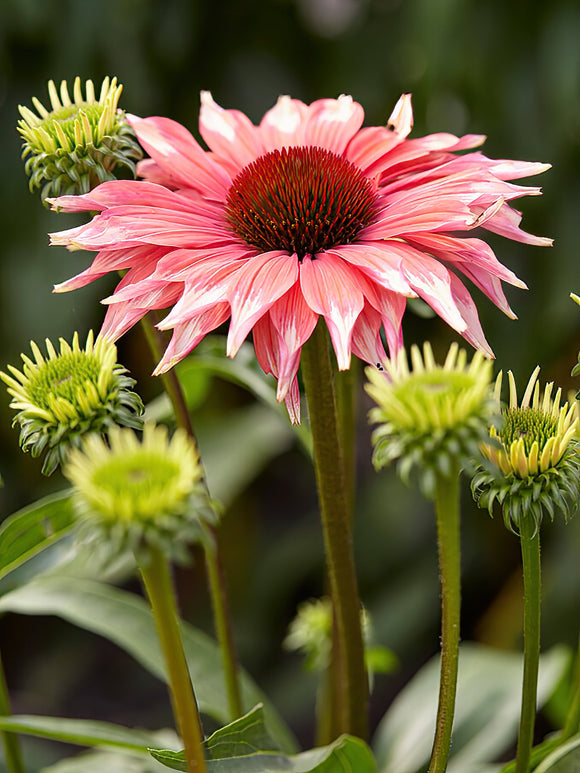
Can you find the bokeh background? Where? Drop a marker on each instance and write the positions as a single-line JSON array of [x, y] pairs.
[[509, 70]]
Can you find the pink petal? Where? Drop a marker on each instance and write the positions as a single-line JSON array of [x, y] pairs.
[[280, 126], [473, 331], [119, 319], [176, 151], [273, 355], [330, 288], [332, 123], [378, 262], [401, 119], [111, 260], [432, 282], [366, 337], [124, 193], [369, 146], [256, 286], [187, 336], [465, 251], [506, 223], [229, 133]]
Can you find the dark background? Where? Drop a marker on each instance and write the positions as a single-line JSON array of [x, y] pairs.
[[509, 70]]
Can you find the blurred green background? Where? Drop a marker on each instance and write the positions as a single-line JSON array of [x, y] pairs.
[[509, 70]]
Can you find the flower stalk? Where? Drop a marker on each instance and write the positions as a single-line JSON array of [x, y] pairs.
[[448, 541], [158, 585], [351, 690], [531, 565], [215, 572]]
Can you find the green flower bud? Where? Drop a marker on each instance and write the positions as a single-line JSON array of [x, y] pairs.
[[135, 494], [68, 394], [432, 418], [76, 145], [533, 464]]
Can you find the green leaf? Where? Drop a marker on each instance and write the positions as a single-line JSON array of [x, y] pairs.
[[486, 715], [565, 759], [346, 754], [80, 731], [126, 620], [245, 735], [31, 530]]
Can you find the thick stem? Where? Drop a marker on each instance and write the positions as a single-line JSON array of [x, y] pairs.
[[217, 584], [352, 689], [448, 538], [346, 383], [531, 565], [12, 753], [159, 587], [572, 724]]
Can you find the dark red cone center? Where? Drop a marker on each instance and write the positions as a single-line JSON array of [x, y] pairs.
[[301, 199]]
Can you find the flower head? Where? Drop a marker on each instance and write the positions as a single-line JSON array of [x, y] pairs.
[[62, 397], [76, 145], [534, 465], [134, 493], [305, 215], [431, 417]]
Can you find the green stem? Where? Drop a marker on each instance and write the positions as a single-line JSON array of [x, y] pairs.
[[531, 565], [12, 753], [352, 689], [447, 515], [346, 382], [216, 577], [572, 723], [223, 628], [159, 587]]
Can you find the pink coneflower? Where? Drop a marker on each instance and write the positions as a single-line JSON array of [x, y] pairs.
[[305, 215]]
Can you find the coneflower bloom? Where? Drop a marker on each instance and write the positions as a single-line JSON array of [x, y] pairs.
[[304, 215]]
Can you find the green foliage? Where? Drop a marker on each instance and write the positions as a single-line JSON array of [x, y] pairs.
[[244, 746], [125, 619], [31, 530], [486, 717]]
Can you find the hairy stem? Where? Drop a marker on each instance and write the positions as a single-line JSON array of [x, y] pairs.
[[448, 538], [351, 690], [531, 565], [159, 587]]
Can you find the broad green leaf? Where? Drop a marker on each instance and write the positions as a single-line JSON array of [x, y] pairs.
[[565, 759], [126, 620], [243, 736], [31, 530], [80, 731], [486, 715], [345, 755]]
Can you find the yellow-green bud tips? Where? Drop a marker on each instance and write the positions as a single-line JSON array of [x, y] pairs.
[[431, 417], [135, 494], [76, 145], [533, 462], [67, 394]]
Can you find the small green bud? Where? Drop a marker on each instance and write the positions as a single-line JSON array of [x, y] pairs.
[[76, 145], [431, 418], [68, 394], [533, 462], [136, 493]]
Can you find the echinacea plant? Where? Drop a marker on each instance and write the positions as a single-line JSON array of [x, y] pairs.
[[308, 232]]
